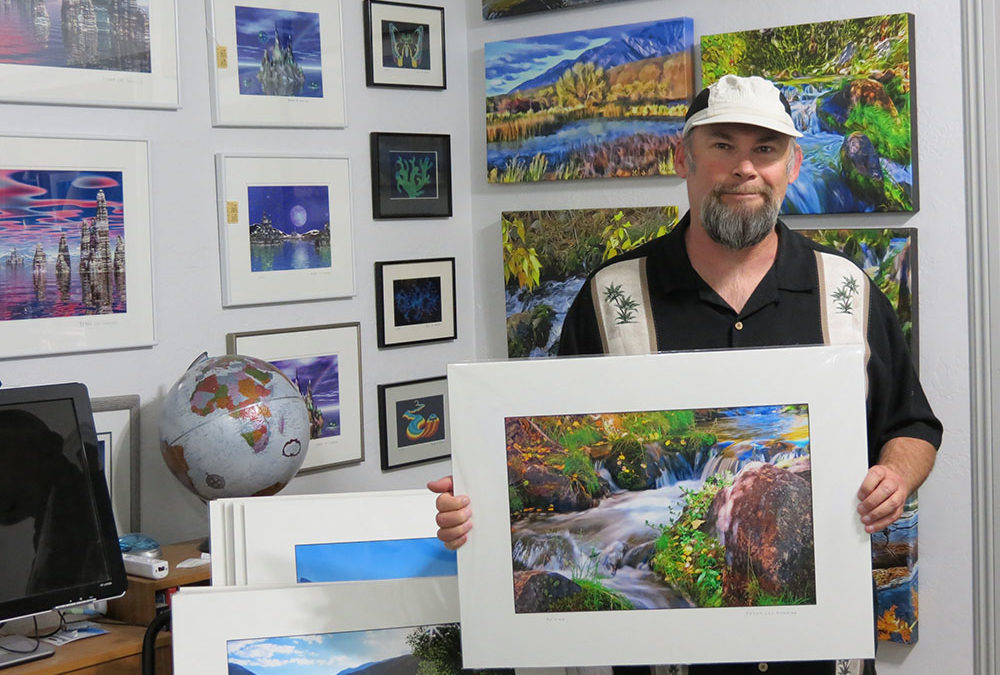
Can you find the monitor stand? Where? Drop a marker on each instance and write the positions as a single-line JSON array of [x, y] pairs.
[[15, 649]]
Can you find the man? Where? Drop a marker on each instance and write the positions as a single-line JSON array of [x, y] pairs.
[[732, 275]]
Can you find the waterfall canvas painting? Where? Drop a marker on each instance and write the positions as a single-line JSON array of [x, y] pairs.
[[598, 103], [548, 254], [850, 86], [661, 509], [609, 484]]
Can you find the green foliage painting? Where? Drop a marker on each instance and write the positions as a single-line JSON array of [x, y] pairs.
[[547, 255], [849, 85]]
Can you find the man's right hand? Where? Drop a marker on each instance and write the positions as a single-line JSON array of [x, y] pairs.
[[454, 516]]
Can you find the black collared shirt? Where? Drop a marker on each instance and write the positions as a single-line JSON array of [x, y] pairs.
[[784, 309]]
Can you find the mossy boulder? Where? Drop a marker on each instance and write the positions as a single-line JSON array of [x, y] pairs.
[[528, 330]]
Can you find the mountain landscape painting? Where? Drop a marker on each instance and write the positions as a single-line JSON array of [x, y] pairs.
[[662, 509], [597, 103], [849, 84], [427, 650], [495, 9]]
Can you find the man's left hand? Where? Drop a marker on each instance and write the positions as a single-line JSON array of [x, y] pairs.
[[883, 494]]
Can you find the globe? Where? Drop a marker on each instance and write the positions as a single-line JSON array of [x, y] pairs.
[[233, 426]]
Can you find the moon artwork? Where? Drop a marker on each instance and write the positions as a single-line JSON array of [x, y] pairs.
[[289, 227]]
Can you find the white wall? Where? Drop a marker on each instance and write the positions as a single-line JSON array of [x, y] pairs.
[[189, 314], [945, 644]]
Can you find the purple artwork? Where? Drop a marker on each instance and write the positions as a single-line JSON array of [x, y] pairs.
[[318, 380]]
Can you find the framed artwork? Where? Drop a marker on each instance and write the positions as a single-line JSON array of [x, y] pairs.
[[116, 419], [413, 422], [586, 104], [547, 255], [277, 64], [74, 236], [404, 45], [653, 494], [223, 630], [411, 175], [849, 86], [324, 362], [415, 301], [285, 229], [121, 54], [318, 538]]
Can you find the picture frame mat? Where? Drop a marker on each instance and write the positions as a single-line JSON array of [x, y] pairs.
[[829, 379], [424, 332], [206, 618], [117, 417], [270, 529], [393, 456], [91, 332], [230, 108], [421, 14], [241, 286], [341, 339], [105, 88]]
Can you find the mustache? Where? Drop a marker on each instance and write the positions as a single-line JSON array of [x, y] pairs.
[[741, 190]]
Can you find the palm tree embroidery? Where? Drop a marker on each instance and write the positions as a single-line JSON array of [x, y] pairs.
[[842, 297], [624, 304]]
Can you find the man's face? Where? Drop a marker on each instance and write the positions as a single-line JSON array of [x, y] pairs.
[[737, 175]]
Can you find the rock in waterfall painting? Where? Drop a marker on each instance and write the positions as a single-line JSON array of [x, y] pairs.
[[62, 243], [548, 254], [427, 650], [661, 509], [95, 36], [597, 103], [289, 227], [849, 84], [318, 381], [279, 52]]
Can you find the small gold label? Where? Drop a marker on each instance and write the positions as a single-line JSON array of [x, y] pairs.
[[221, 57], [232, 212]]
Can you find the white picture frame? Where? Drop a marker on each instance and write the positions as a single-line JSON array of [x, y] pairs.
[[231, 108], [340, 343], [116, 419], [253, 540], [123, 88], [83, 168], [251, 273], [830, 380], [205, 619]]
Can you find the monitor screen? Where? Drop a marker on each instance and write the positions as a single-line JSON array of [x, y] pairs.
[[57, 530]]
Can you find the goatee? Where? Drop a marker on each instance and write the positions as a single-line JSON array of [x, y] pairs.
[[742, 226]]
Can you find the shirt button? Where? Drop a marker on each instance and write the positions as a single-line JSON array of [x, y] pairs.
[[739, 326], [762, 667]]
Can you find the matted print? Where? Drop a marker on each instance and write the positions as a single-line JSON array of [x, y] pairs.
[[850, 85], [116, 419], [74, 246], [413, 422], [89, 53], [411, 175], [404, 45], [324, 363], [588, 104], [415, 301], [547, 255], [645, 493], [285, 229], [277, 64]]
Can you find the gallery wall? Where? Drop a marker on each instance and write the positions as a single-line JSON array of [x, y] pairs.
[[945, 643], [189, 316]]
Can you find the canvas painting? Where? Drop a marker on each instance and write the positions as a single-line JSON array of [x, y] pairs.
[[548, 254], [496, 9], [279, 52], [661, 509], [318, 381], [598, 103], [289, 227], [62, 244], [849, 84]]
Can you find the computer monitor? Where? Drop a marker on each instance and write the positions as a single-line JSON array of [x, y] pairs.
[[58, 542]]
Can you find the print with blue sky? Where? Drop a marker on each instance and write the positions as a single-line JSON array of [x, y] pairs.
[[318, 381], [279, 52], [289, 227]]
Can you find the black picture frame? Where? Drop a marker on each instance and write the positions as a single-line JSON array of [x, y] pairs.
[[413, 422], [415, 301], [404, 45], [400, 165]]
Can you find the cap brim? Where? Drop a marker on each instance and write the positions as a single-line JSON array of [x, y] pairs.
[[781, 126]]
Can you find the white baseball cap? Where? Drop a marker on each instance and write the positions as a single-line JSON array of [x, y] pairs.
[[743, 100]]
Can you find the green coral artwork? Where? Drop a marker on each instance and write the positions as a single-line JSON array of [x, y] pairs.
[[414, 173]]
